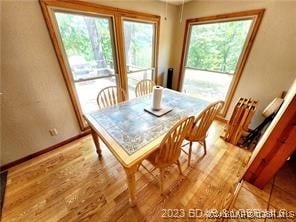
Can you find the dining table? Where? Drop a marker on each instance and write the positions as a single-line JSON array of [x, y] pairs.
[[131, 133]]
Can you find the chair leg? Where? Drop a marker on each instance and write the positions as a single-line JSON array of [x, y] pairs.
[[150, 172], [205, 146], [179, 166], [189, 153], [161, 172]]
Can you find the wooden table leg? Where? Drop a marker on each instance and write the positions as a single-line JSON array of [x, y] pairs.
[[97, 142], [131, 180]]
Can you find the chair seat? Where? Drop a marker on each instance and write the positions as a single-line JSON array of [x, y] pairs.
[[152, 159], [192, 138]]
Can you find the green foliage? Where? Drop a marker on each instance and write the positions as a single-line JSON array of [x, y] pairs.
[[138, 43], [77, 40], [103, 27], [74, 35], [217, 46]]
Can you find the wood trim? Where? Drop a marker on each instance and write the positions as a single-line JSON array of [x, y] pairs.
[[58, 51], [118, 33], [221, 119], [77, 6], [227, 16], [156, 53], [98, 8], [276, 149], [42, 151], [234, 196], [117, 14], [186, 40], [138, 15], [257, 15]]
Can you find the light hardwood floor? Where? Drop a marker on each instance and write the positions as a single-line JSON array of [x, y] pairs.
[[71, 184]]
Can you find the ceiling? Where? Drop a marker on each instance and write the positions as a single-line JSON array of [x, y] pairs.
[[175, 2]]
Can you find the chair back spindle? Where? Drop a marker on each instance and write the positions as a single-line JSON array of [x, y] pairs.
[[109, 97], [204, 120], [170, 147], [144, 87]]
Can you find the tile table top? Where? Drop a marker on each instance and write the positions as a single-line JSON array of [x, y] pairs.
[[133, 128]]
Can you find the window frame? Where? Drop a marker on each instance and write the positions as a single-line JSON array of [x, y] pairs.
[[60, 41], [154, 43], [255, 15], [116, 15], [153, 68]]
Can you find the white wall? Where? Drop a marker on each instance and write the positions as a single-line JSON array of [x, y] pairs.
[[271, 66], [36, 98], [289, 97]]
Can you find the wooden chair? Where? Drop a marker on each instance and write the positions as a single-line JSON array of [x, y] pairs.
[[144, 87], [202, 123], [170, 148], [109, 97]]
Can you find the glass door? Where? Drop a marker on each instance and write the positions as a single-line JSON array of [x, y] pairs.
[[213, 53], [139, 47], [89, 49], [99, 46]]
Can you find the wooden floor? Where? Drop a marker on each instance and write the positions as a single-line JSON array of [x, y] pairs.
[[71, 184]]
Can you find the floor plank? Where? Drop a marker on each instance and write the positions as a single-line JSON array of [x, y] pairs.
[[71, 184]]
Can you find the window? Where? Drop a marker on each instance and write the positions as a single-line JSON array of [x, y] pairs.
[[90, 41], [89, 48], [215, 53], [139, 52]]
